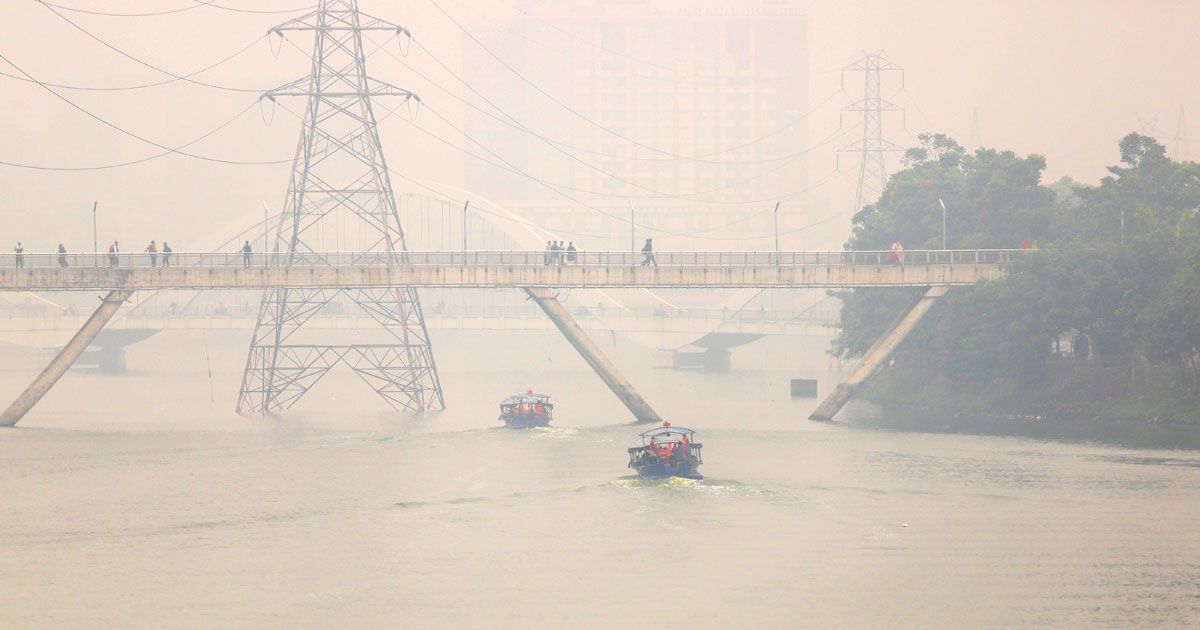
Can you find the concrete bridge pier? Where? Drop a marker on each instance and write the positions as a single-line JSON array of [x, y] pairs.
[[583, 344], [877, 354], [65, 357]]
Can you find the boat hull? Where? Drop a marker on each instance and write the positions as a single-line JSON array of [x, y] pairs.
[[663, 470], [525, 421]]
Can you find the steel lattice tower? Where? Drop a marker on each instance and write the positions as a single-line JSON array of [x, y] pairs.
[[872, 173], [1179, 147], [976, 141], [339, 169]]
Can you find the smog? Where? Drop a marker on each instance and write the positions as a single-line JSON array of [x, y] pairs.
[[518, 313]]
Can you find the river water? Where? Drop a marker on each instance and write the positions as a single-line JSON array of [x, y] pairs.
[[141, 501]]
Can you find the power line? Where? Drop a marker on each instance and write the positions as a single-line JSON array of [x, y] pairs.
[[553, 188], [516, 124], [137, 60], [144, 85], [254, 11], [138, 161], [543, 92], [197, 4], [513, 168], [575, 36], [691, 196], [124, 131], [695, 234], [556, 191]]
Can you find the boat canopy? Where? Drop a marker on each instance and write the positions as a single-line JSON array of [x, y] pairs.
[[664, 434], [526, 398]]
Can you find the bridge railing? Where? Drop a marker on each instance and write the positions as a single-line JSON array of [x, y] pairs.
[[510, 258]]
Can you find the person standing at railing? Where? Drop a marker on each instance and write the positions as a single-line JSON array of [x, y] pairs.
[[548, 256], [571, 253], [648, 253], [152, 249], [247, 253], [19, 251], [166, 251], [114, 254], [62, 256]]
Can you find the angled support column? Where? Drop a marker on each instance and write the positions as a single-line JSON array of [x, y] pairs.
[[578, 337], [877, 354], [65, 357]]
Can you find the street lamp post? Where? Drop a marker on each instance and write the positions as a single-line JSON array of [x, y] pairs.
[[95, 239], [464, 233], [632, 234], [943, 205], [777, 229]]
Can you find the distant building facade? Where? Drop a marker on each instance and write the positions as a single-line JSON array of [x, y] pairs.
[[703, 104]]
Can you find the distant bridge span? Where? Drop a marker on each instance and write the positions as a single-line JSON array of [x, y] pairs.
[[516, 269]]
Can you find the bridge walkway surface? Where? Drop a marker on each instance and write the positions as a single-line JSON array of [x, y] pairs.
[[498, 269]]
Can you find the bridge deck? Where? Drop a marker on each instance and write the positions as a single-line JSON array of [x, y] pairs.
[[43, 272]]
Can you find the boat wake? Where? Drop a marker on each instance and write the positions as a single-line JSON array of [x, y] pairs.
[[698, 486], [552, 433]]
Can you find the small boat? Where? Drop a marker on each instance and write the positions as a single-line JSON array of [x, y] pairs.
[[528, 410], [666, 451]]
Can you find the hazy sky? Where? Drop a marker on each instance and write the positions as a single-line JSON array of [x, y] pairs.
[[1065, 79]]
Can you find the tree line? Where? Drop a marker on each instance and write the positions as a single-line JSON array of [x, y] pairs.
[[1116, 262]]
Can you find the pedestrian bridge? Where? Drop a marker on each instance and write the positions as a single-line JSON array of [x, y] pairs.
[[498, 269]]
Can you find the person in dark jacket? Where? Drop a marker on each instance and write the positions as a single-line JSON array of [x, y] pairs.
[[648, 252]]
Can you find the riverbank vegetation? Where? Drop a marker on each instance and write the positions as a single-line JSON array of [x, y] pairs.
[[1100, 315]]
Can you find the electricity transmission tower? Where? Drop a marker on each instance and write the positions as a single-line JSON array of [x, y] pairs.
[[1181, 139], [976, 136], [1148, 126], [339, 197], [872, 173]]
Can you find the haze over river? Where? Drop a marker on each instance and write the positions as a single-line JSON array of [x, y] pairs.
[[138, 501]]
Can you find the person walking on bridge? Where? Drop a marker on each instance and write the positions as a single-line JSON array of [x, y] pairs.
[[114, 254], [648, 252], [62, 256], [247, 253], [19, 251], [166, 251], [152, 249]]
